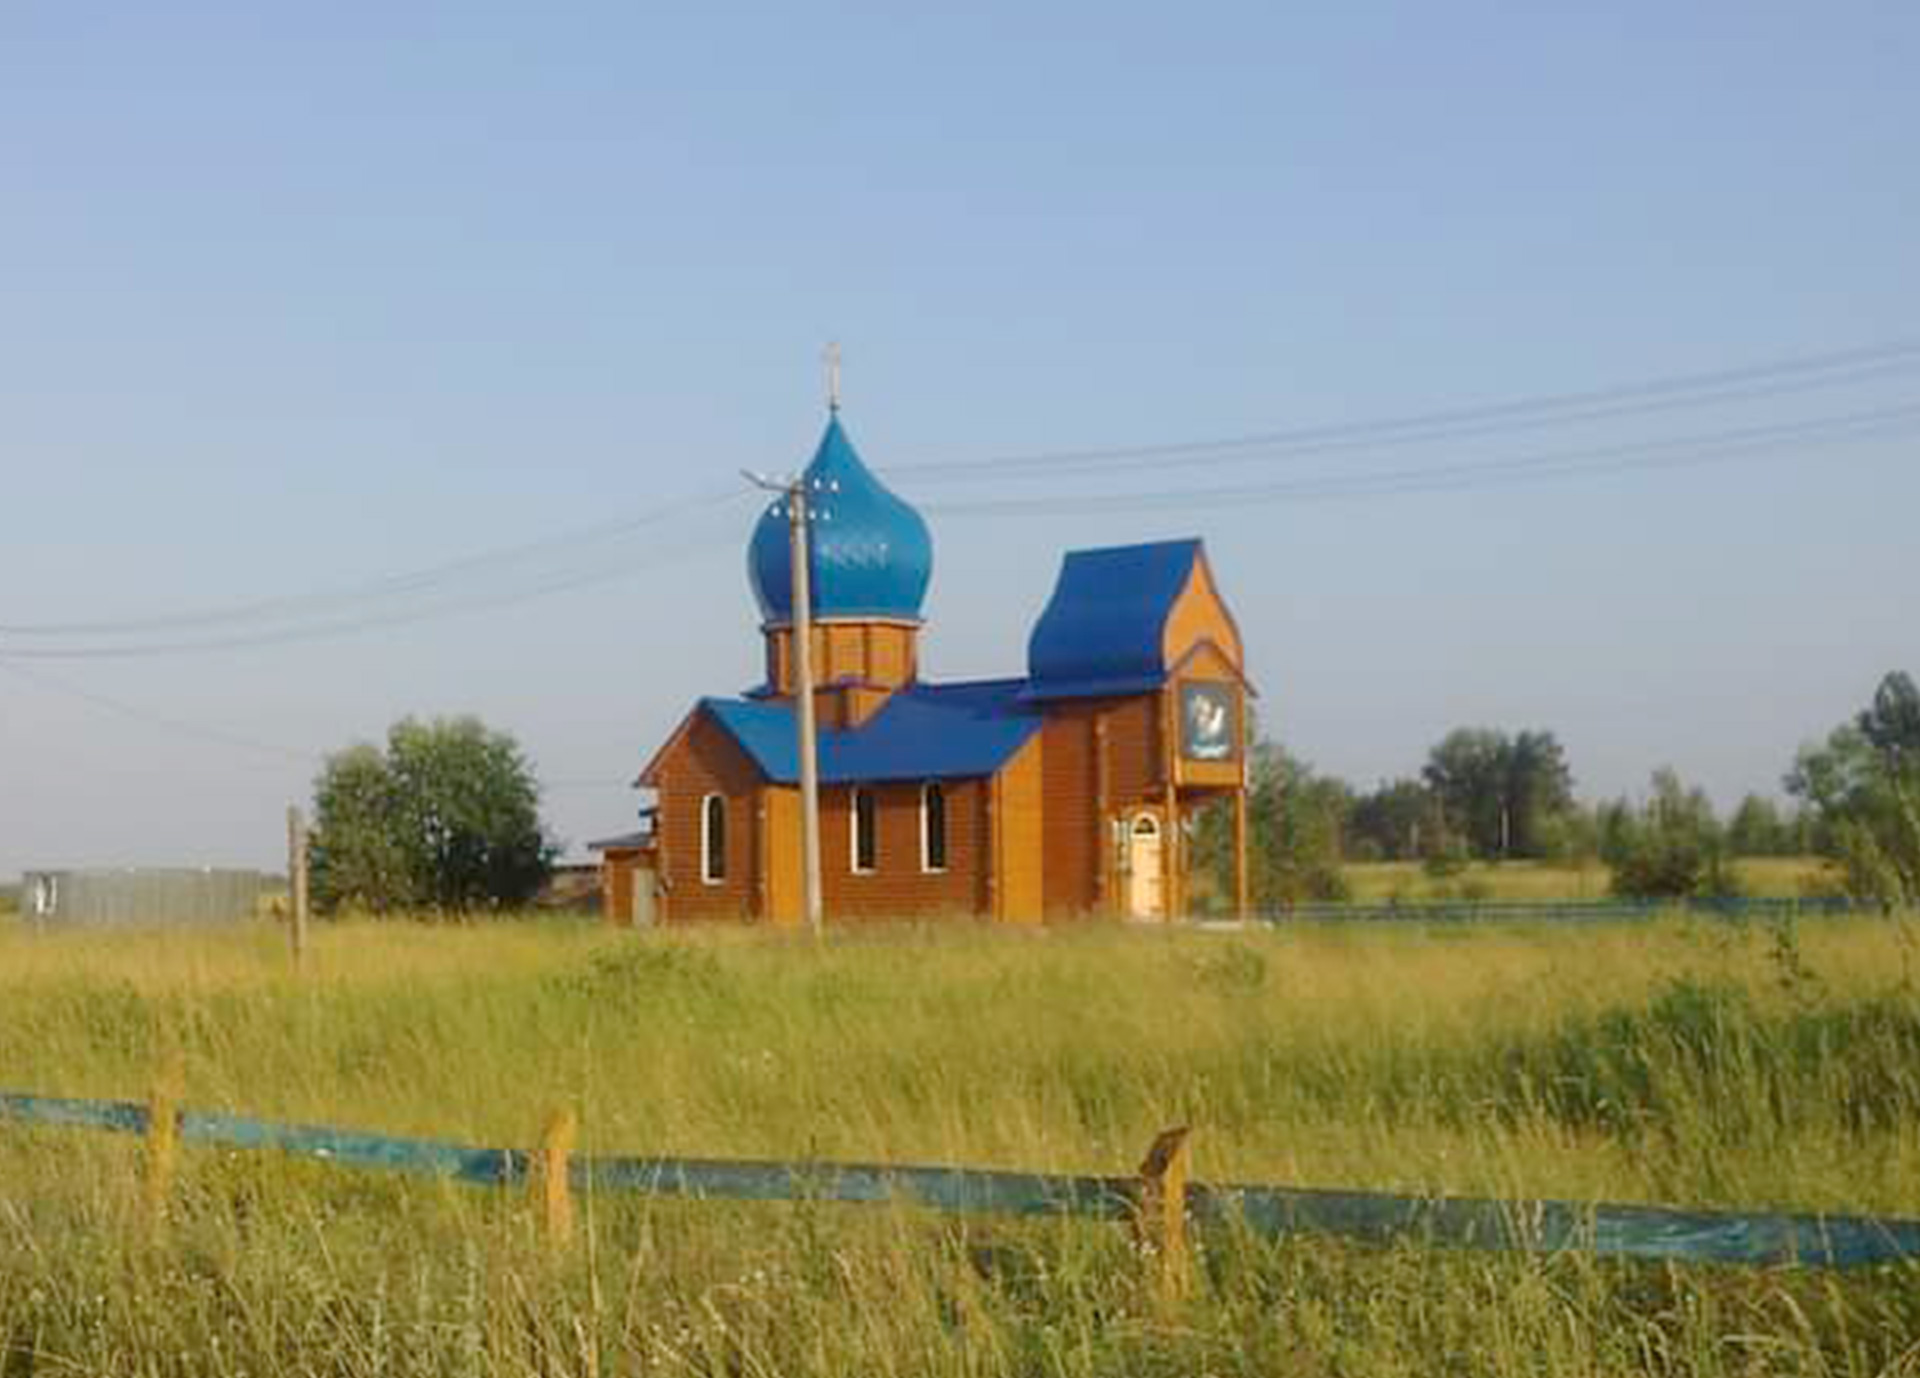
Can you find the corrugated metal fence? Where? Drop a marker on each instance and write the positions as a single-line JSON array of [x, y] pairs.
[[142, 897]]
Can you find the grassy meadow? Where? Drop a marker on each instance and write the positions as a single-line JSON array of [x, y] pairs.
[[1686, 1061]]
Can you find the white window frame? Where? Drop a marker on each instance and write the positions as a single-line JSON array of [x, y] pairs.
[[926, 837], [853, 831], [708, 875]]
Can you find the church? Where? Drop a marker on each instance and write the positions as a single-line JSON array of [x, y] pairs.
[[1066, 791]]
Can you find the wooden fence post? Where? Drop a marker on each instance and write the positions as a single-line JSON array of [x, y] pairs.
[[1160, 1227], [552, 1192], [163, 1137]]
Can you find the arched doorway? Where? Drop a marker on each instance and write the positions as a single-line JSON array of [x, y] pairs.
[[1146, 868]]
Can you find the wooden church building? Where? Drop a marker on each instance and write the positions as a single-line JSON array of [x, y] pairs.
[[1061, 792]]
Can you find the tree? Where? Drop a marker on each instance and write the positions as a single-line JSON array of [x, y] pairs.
[[1673, 848], [1295, 822], [1539, 790], [1400, 820], [1757, 828], [1501, 793], [447, 818], [1863, 787]]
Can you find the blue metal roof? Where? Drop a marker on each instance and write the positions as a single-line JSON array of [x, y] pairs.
[[1103, 631], [870, 554], [924, 732]]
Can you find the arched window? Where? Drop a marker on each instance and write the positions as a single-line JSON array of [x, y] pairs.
[[933, 828], [713, 839], [865, 831]]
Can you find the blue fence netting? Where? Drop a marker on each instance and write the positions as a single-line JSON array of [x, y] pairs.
[[1648, 1232], [1574, 911]]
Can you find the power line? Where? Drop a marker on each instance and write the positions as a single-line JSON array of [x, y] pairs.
[[198, 731], [349, 625], [1369, 437], [178, 726], [1678, 452], [1772, 378], [446, 587], [414, 582]]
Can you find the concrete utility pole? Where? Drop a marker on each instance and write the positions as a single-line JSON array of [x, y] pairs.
[[297, 900], [794, 492], [803, 690]]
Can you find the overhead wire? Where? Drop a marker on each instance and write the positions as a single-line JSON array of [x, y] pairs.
[[607, 572], [448, 588], [425, 580], [1666, 453], [1766, 381], [40, 679]]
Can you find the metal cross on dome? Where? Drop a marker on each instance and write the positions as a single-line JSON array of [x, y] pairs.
[[832, 356]]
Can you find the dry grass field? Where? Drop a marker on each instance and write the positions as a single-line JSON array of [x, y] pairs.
[[1378, 882], [1680, 1061]]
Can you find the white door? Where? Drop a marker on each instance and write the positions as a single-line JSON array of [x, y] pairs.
[[1146, 869]]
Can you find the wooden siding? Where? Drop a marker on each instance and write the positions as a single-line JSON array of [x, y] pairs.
[[1020, 835], [898, 887], [1200, 614], [705, 760], [620, 869], [882, 654], [1136, 760], [1070, 815], [784, 899]]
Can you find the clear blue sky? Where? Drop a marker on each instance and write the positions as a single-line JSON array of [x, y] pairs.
[[295, 297]]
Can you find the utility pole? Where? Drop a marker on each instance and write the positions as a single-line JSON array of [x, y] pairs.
[[803, 691], [795, 492], [297, 899]]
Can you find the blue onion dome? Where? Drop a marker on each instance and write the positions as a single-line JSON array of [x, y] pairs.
[[871, 554]]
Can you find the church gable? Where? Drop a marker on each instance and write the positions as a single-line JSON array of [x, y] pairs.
[[1199, 616]]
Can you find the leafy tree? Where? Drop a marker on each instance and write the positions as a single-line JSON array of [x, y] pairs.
[[1401, 820], [1758, 828], [1538, 790], [1570, 835], [447, 818], [1863, 787], [1295, 823], [1672, 848], [1501, 793]]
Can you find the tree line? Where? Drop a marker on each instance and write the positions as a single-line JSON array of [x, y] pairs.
[[1490, 795]]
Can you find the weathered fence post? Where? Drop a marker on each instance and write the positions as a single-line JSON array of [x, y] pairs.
[[552, 1193], [163, 1137], [1160, 1225]]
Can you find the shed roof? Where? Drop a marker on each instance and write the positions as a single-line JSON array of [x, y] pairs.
[[924, 732], [1104, 630]]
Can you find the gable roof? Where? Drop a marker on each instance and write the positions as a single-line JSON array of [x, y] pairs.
[[924, 732], [1103, 631]]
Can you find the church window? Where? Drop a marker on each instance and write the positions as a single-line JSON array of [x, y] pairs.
[[865, 831], [713, 839], [933, 828]]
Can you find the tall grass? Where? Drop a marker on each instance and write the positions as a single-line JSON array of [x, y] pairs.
[[1687, 1062]]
